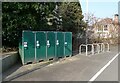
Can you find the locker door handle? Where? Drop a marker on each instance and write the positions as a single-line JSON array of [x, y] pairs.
[[37, 44], [65, 43], [25, 45], [48, 43], [57, 42]]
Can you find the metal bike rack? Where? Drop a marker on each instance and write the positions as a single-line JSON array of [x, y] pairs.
[[86, 47], [95, 48], [108, 46], [101, 47], [80, 48], [92, 46]]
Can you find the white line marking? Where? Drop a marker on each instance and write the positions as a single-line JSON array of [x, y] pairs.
[[101, 70]]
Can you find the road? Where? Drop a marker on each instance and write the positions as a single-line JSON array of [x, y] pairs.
[[77, 68], [110, 73]]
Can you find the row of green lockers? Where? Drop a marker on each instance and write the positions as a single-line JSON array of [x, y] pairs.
[[38, 46]]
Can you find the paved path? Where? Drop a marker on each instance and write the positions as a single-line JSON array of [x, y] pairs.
[[76, 68]]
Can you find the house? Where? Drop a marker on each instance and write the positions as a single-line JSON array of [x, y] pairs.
[[107, 28]]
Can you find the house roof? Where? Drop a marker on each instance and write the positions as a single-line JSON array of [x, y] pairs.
[[106, 21]]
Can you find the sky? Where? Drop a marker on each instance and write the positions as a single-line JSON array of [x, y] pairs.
[[101, 8]]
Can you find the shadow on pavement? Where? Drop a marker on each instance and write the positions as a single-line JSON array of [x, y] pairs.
[[12, 69]]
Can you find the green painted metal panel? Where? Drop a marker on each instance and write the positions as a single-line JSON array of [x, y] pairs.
[[40, 46], [60, 44], [68, 43], [28, 46], [50, 45]]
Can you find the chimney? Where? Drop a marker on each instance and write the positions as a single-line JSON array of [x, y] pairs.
[[116, 18]]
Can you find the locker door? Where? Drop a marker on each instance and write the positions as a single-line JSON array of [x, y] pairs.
[[60, 44], [68, 43], [40, 46], [50, 45], [29, 46]]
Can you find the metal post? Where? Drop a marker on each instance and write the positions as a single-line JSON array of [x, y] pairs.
[[55, 45], [46, 44], [92, 49], [86, 33], [86, 50], [86, 37], [64, 44], [80, 49], [23, 48], [103, 47], [35, 47], [108, 47], [98, 48]]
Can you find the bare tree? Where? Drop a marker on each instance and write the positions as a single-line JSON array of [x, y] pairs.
[[91, 24]]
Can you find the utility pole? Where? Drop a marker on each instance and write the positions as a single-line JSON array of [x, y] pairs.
[[86, 32], [87, 21], [86, 40]]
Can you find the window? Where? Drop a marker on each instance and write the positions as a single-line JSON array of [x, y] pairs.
[[99, 29], [105, 28]]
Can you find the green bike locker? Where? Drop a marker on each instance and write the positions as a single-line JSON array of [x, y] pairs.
[[67, 44], [59, 44], [44, 45], [50, 45], [28, 47], [40, 46]]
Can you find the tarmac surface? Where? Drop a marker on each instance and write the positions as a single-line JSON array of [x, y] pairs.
[[76, 68], [110, 73]]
